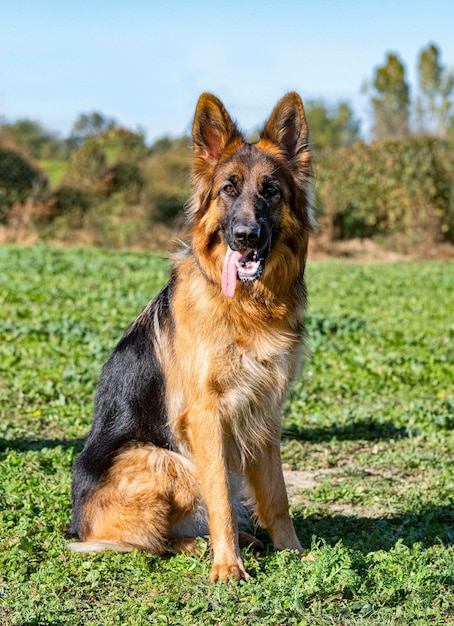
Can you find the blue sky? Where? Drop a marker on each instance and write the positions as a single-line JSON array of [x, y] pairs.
[[145, 62]]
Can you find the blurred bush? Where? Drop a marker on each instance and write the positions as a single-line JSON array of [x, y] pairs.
[[118, 191], [167, 182], [19, 178], [63, 201], [388, 187]]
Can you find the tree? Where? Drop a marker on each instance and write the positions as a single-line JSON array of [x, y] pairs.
[[108, 160], [436, 86], [37, 141], [390, 100], [331, 127], [18, 178], [87, 164], [89, 125], [451, 130], [167, 182]]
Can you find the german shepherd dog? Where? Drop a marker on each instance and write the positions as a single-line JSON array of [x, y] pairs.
[[187, 414]]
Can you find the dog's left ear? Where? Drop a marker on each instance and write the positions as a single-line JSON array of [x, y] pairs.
[[287, 127]]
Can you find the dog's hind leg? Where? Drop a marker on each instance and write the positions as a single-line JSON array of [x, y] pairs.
[[145, 492]]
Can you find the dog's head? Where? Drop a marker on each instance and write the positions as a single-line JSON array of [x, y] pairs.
[[251, 203]]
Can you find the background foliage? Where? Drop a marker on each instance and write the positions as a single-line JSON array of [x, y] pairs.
[[18, 180], [104, 185], [389, 187]]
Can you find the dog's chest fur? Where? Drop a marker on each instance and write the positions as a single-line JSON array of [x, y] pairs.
[[234, 377]]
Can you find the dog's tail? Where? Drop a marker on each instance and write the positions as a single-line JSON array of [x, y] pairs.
[[99, 546]]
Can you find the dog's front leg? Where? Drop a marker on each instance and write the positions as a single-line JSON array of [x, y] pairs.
[[208, 447], [267, 480]]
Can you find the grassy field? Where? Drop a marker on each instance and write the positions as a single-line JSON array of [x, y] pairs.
[[369, 425]]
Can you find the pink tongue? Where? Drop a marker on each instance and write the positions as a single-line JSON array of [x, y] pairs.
[[230, 272]]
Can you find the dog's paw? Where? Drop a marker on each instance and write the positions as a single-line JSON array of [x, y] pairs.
[[226, 573]]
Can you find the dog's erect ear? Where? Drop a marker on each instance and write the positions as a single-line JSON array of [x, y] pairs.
[[287, 126], [212, 129]]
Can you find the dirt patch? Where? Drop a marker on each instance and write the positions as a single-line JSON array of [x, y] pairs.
[[299, 483], [296, 480], [361, 250], [369, 251]]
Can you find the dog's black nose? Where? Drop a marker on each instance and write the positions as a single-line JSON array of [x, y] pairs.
[[246, 234]]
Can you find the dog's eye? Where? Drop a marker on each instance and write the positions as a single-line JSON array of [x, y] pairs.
[[229, 189], [271, 190]]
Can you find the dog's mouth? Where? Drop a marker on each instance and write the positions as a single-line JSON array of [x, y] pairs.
[[246, 265]]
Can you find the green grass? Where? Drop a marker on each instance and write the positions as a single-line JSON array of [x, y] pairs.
[[371, 419]]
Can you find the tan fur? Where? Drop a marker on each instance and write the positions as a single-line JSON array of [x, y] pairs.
[[145, 492]]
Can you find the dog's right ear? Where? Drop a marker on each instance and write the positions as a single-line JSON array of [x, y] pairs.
[[212, 130]]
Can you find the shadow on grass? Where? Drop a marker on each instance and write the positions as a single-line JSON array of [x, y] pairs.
[[367, 429], [36, 445], [430, 525]]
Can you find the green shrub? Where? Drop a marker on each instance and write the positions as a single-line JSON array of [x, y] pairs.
[[167, 184], [18, 178], [108, 163], [388, 187], [122, 176], [62, 201], [87, 164]]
